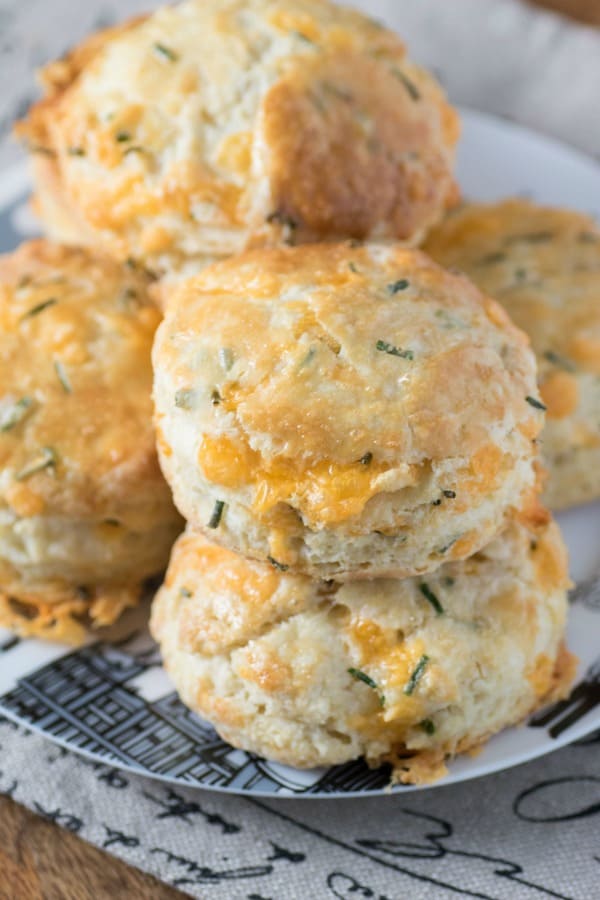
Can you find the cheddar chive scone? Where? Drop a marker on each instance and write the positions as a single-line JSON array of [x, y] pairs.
[[409, 671], [346, 411], [85, 514], [543, 266], [168, 138]]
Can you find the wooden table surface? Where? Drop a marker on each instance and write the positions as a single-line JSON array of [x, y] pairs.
[[41, 861], [584, 10]]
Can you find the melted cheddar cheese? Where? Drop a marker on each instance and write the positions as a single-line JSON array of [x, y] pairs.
[[326, 492], [560, 393], [395, 660]]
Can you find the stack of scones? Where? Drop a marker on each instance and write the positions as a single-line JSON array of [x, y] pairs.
[[351, 431]]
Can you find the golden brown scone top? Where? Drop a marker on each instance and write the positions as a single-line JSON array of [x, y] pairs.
[[218, 123], [328, 354], [542, 264], [76, 436]]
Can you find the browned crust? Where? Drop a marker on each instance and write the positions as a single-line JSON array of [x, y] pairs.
[[428, 766], [332, 175], [68, 613]]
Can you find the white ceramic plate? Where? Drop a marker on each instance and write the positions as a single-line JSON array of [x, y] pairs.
[[112, 701]]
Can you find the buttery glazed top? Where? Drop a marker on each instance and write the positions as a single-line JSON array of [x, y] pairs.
[[543, 265], [368, 361], [185, 116], [76, 433]]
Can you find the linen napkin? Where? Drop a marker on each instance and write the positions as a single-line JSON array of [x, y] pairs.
[[530, 832]]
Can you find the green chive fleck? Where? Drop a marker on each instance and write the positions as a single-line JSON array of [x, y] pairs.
[[225, 358], [366, 679], [35, 310], [302, 37], [352, 267], [317, 102], [338, 92], [45, 460], [362, 676], [410, 86], [14, 414], [366, 459], [384, 347], [165, 52], [76, 151], [127, 296], [399, 285], [537, 404], [278, 565], [535, 237], [280, 218], [308, 358], [416, 676], [492, 258], [431, 597], [184, 398], [122, 137], [185, 592], [428, 726], [43, 151], [61, 374], [215, 397], [448, 581], [557, 360], [448, 321], [215, 519], [447, 546]]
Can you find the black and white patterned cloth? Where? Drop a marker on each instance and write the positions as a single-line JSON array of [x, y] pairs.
[[530, 832]]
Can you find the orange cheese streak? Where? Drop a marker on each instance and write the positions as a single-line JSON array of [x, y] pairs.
[[325, 491], [382, 650], [586, 351]]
